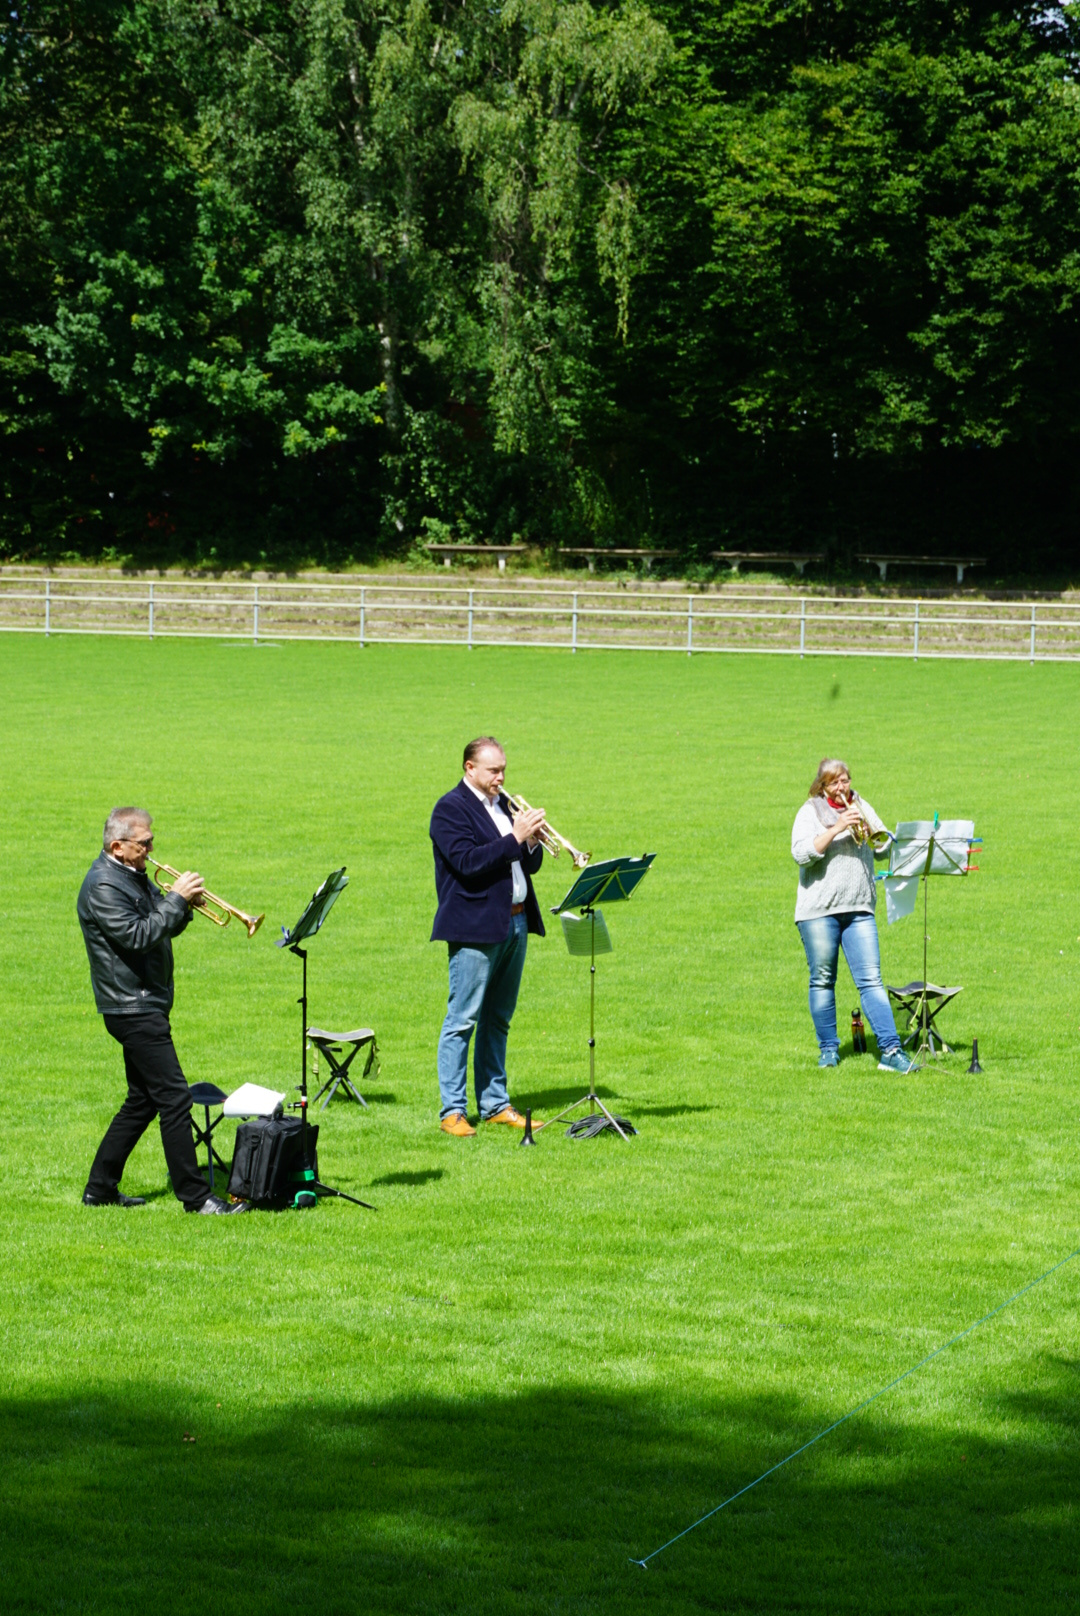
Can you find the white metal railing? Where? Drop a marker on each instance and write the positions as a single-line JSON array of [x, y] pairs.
[[542, 615]]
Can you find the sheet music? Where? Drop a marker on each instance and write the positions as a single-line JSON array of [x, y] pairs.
[[952, 843], [578, 933]]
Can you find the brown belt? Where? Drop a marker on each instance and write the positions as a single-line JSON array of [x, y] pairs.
[[517, 908]]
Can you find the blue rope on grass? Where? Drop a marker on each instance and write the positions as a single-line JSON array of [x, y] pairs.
[[945, 1345]]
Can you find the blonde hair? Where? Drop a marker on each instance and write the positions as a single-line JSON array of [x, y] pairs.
[[828, 770]]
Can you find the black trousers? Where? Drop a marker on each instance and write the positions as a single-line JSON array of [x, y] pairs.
[[157, 1087]]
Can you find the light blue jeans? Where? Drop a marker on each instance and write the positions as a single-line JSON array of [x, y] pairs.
[[856, 932], [484, 986]]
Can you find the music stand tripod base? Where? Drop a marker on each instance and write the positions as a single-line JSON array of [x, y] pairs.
[[310, 1189]]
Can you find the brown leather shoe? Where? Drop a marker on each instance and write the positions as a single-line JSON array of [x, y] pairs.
[[512, 1118], [458, 1125]]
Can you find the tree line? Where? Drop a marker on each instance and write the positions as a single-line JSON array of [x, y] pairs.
[[318, 280]]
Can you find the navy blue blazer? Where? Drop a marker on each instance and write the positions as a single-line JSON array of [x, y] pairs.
[[472, 872]]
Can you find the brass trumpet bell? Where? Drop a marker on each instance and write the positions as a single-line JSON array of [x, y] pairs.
[[214, 908], [548, 837], [862, 835]]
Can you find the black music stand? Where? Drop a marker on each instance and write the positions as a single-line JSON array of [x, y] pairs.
[[310, 1187], [613, 880]]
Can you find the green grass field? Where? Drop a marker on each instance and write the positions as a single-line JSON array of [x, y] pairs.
[[527, 1366]]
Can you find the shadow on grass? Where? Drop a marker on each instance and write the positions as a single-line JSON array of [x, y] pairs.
[[671, 1110], [425, 1175], [387, 1097], [534, 1503], [555, 1099]]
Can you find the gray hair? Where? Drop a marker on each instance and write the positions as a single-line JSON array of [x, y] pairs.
[[122, 822]]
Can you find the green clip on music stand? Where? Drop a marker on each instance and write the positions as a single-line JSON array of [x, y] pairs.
[[613, 880]]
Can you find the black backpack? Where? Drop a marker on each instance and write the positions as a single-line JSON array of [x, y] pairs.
[[265, 1155]]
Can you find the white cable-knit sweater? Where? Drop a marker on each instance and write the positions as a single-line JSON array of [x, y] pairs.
[[838, 881]]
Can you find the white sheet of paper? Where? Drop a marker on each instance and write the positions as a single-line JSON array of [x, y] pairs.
[[252, 1100], [908, 853], [900, 895], [577, 932]]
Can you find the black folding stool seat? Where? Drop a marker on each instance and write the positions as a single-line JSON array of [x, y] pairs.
[[206, 1095], [332, 1045]]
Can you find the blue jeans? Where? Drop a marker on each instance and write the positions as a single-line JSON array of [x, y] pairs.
[[856, 932], [484, 986]]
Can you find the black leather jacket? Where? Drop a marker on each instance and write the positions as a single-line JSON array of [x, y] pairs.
[[127, 924]]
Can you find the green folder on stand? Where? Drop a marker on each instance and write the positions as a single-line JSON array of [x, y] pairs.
[[607, 882]]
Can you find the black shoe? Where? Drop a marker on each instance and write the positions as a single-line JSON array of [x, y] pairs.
[[215, 1205], [112, 1200]]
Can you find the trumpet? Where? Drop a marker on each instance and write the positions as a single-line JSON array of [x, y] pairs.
[[214, 908], [549, 839], [862, 835]]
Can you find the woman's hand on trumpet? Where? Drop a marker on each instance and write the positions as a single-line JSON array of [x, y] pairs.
[[848, 819], [190, 886]]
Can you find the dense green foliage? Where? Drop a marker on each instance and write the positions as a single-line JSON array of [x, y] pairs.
[[311, 279], [526, 1366]]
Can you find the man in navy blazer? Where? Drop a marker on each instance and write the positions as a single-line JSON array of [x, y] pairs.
[[484, 861]]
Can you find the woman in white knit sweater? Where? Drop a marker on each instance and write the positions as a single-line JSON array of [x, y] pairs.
[[834, 909]]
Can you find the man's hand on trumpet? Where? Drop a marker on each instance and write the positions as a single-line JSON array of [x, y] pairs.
[[528, 825], [190, 887]]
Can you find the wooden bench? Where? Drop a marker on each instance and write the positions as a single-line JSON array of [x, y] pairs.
[[591, 552], [499, 551], [961, 563], [795, 558]]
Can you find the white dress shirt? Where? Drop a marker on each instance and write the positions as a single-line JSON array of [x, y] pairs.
[[504, 826]]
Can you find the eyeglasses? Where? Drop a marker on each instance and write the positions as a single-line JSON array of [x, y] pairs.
[[141, 841]]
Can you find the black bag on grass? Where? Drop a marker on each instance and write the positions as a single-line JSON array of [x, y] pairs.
[[265, 1153]]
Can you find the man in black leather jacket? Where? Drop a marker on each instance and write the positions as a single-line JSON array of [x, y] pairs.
[[128, 925]]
